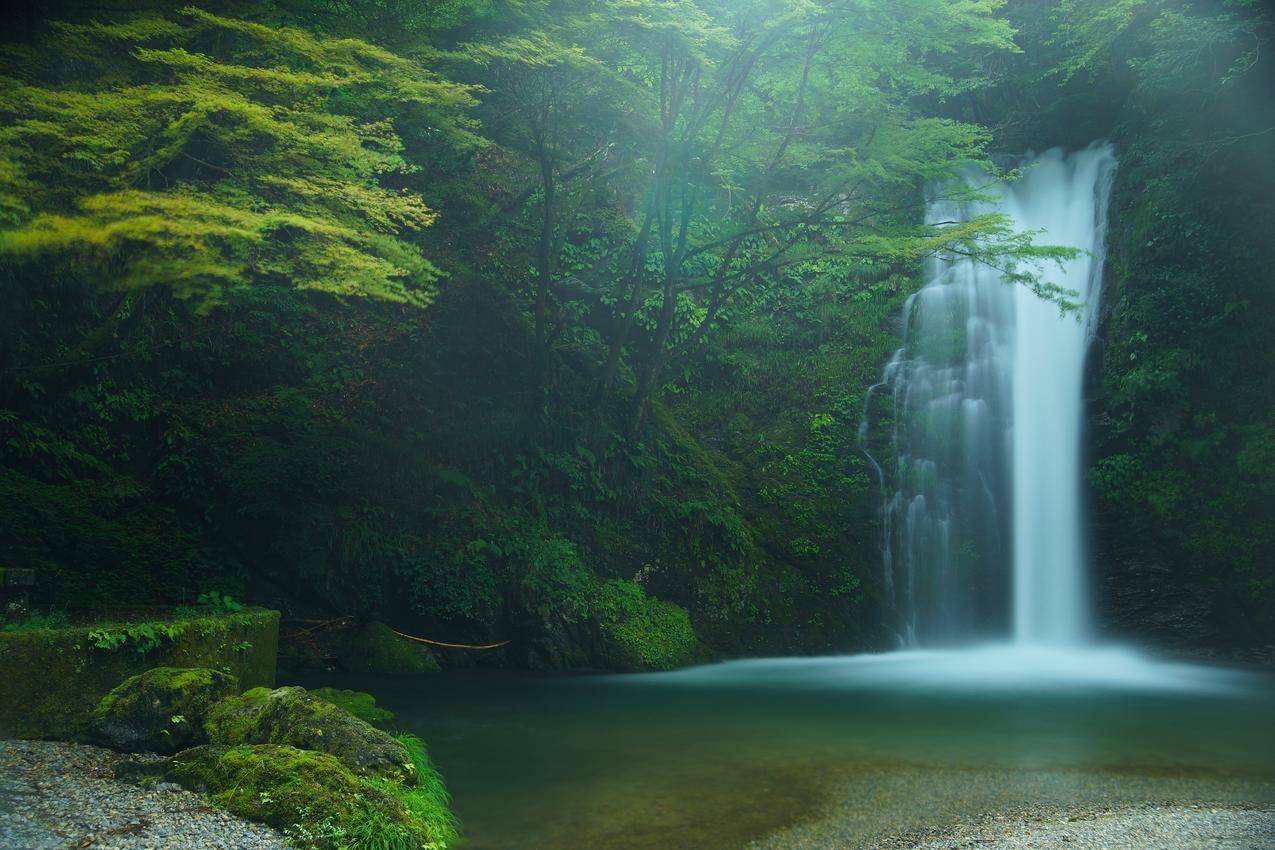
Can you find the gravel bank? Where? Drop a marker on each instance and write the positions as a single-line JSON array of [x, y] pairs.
[[1143, 828], [946, 808], [55, 796]]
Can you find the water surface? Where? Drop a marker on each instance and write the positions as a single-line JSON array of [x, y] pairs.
[[722, 755]]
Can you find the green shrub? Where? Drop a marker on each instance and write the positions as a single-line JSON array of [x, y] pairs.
[[651, 634], [427, 800]]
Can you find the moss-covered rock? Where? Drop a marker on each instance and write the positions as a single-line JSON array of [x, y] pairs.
[[162, 710], [296, 717], [312, 796], [374, 648], [360, 704], [641, 632]]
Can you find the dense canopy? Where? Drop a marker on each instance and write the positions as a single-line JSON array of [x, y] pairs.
[[500, 318]]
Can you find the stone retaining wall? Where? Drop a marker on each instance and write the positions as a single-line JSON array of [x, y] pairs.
[[51, 679]]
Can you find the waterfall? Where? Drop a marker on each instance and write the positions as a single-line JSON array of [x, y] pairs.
[[982, 522]]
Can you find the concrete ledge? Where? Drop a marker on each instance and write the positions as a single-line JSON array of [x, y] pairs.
[[51, 679]]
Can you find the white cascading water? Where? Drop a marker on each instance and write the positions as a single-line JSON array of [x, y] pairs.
[[983, 533], [982, 523]]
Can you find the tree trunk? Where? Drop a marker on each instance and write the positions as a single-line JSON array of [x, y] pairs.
[[544, 281]]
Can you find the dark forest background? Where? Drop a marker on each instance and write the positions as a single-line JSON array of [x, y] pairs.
[[553, 321]]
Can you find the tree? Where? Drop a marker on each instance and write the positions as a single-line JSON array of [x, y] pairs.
[[205, 153]]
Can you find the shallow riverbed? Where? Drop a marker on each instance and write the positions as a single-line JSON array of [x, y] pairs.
[[851, 750]]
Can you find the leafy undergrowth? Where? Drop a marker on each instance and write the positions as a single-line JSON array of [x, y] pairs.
[[653, 634], [427, 800]]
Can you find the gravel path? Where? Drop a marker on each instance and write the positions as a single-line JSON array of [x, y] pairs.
[[55, 796], [1143, 828]]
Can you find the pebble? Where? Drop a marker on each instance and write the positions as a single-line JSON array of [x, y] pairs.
[[60, 796], [919, 807], [1145, 828]]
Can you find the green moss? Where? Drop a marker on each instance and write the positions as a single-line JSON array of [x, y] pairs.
[[651, 634], [162, 710], [35, 621], [55, 678], [361, 705], [234, 721], [375, 648], [295, 717], [311, 796]]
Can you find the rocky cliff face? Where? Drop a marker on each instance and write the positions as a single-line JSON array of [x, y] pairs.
[[1180, 425]]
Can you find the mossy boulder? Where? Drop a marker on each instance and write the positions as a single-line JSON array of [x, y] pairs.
[[161, 710], [296, 717], [314, 798], [361, 705], [374, 648], [640, 632]]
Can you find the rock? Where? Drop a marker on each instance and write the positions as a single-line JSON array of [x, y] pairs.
[[312, 795], [162, 710], [375, 648], [360, 704], [298, 718]]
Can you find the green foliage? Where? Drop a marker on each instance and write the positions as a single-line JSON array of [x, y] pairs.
[[74, 675], [428, 800], [140, 638], [675, 235], [211, 153], [37, 622], [654, 635], [312, 797], [220, 601]]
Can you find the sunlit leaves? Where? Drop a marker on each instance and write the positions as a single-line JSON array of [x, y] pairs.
[[221, 153]]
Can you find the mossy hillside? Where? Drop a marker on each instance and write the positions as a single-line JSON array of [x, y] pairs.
[[162, 710], [311, 796], [55, 678], [374, 648], [293, 716]]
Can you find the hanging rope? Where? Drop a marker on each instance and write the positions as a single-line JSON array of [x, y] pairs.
[[452, 645], [323, 624]]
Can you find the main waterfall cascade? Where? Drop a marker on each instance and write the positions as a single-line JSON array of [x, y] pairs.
[[982, 534]]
